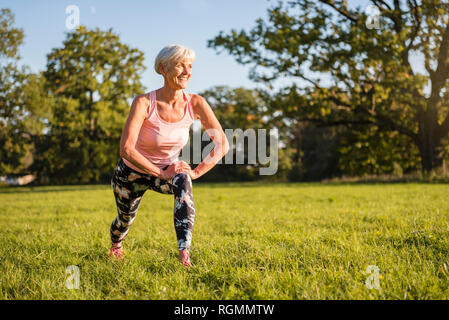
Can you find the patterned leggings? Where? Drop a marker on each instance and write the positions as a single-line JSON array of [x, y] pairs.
[[130, 185]]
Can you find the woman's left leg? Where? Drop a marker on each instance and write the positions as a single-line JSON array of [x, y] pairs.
[[184, 208]]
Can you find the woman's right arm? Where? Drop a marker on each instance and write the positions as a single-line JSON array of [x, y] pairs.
[[130, 133]]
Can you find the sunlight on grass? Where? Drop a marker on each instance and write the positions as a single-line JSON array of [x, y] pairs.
[[250, 241]]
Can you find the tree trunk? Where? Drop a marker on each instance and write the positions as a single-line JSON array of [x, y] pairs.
[[92, 163], [431, 158], [430, 143]]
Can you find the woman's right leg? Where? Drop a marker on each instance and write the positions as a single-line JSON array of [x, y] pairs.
[[129, 187]]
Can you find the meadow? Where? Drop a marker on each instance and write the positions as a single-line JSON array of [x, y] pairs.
[[250, 241]]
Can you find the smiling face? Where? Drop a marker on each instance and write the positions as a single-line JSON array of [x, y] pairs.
[[178, 74]]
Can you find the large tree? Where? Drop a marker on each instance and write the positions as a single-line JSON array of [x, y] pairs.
[[93, 78], [242, 113], [355, 67], [238, 109], [13, 146]]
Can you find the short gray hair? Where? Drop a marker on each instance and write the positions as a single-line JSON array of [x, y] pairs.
[[172, 53]]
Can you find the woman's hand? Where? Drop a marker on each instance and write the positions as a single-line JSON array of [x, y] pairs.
[[174, 168], [193, 174]]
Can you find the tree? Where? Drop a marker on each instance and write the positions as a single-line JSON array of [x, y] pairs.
[[13, 146], [324, 151], [11, 38], [236, 108], [369, 150], [349, 72], [93, 78], [244, 109], [25, 108]]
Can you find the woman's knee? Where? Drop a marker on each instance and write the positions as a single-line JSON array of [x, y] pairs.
[[181, 179]]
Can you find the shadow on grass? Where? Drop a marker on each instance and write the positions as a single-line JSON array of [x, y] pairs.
[[233, 184], [390, 179], [46, 189], [379, 182], [421, 240]]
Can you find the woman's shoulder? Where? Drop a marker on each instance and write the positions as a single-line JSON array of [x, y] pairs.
[[142, 100], [196, 100], [194, 96], [141, 104], [145, 97], [197, 103]]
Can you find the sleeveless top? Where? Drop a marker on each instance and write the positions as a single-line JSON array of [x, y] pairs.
[[160, 141]]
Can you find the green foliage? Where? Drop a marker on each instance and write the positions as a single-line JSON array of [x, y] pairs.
[[11, 38], [371, 151], [245, 109], [238, 107], [14, 115], [12, 147], [315, 152], [92, 78], [356, 105]]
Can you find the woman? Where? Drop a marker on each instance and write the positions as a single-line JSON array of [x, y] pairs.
[[156, 130]]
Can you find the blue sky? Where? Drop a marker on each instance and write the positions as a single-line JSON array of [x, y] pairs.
[[147, 25], [150, 25]]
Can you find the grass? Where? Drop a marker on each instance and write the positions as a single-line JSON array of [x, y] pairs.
[[250, 241]]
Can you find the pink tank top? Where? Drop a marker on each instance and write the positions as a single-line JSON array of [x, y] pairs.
[[160, 141]]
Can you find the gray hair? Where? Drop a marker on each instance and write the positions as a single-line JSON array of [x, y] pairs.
[[173, 53]]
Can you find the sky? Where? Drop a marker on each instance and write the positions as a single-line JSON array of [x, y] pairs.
[[148, 26]]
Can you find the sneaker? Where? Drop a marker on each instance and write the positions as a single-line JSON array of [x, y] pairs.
[[116, 253]]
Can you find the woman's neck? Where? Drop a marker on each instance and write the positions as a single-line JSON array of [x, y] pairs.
[[170, 95]]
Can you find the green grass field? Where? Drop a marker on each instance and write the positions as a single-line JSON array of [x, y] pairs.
[[250, 241]]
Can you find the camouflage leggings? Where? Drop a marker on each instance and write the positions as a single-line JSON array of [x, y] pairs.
[[130, 185]]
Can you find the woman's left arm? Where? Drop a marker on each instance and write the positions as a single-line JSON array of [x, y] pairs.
[[203, 111]]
